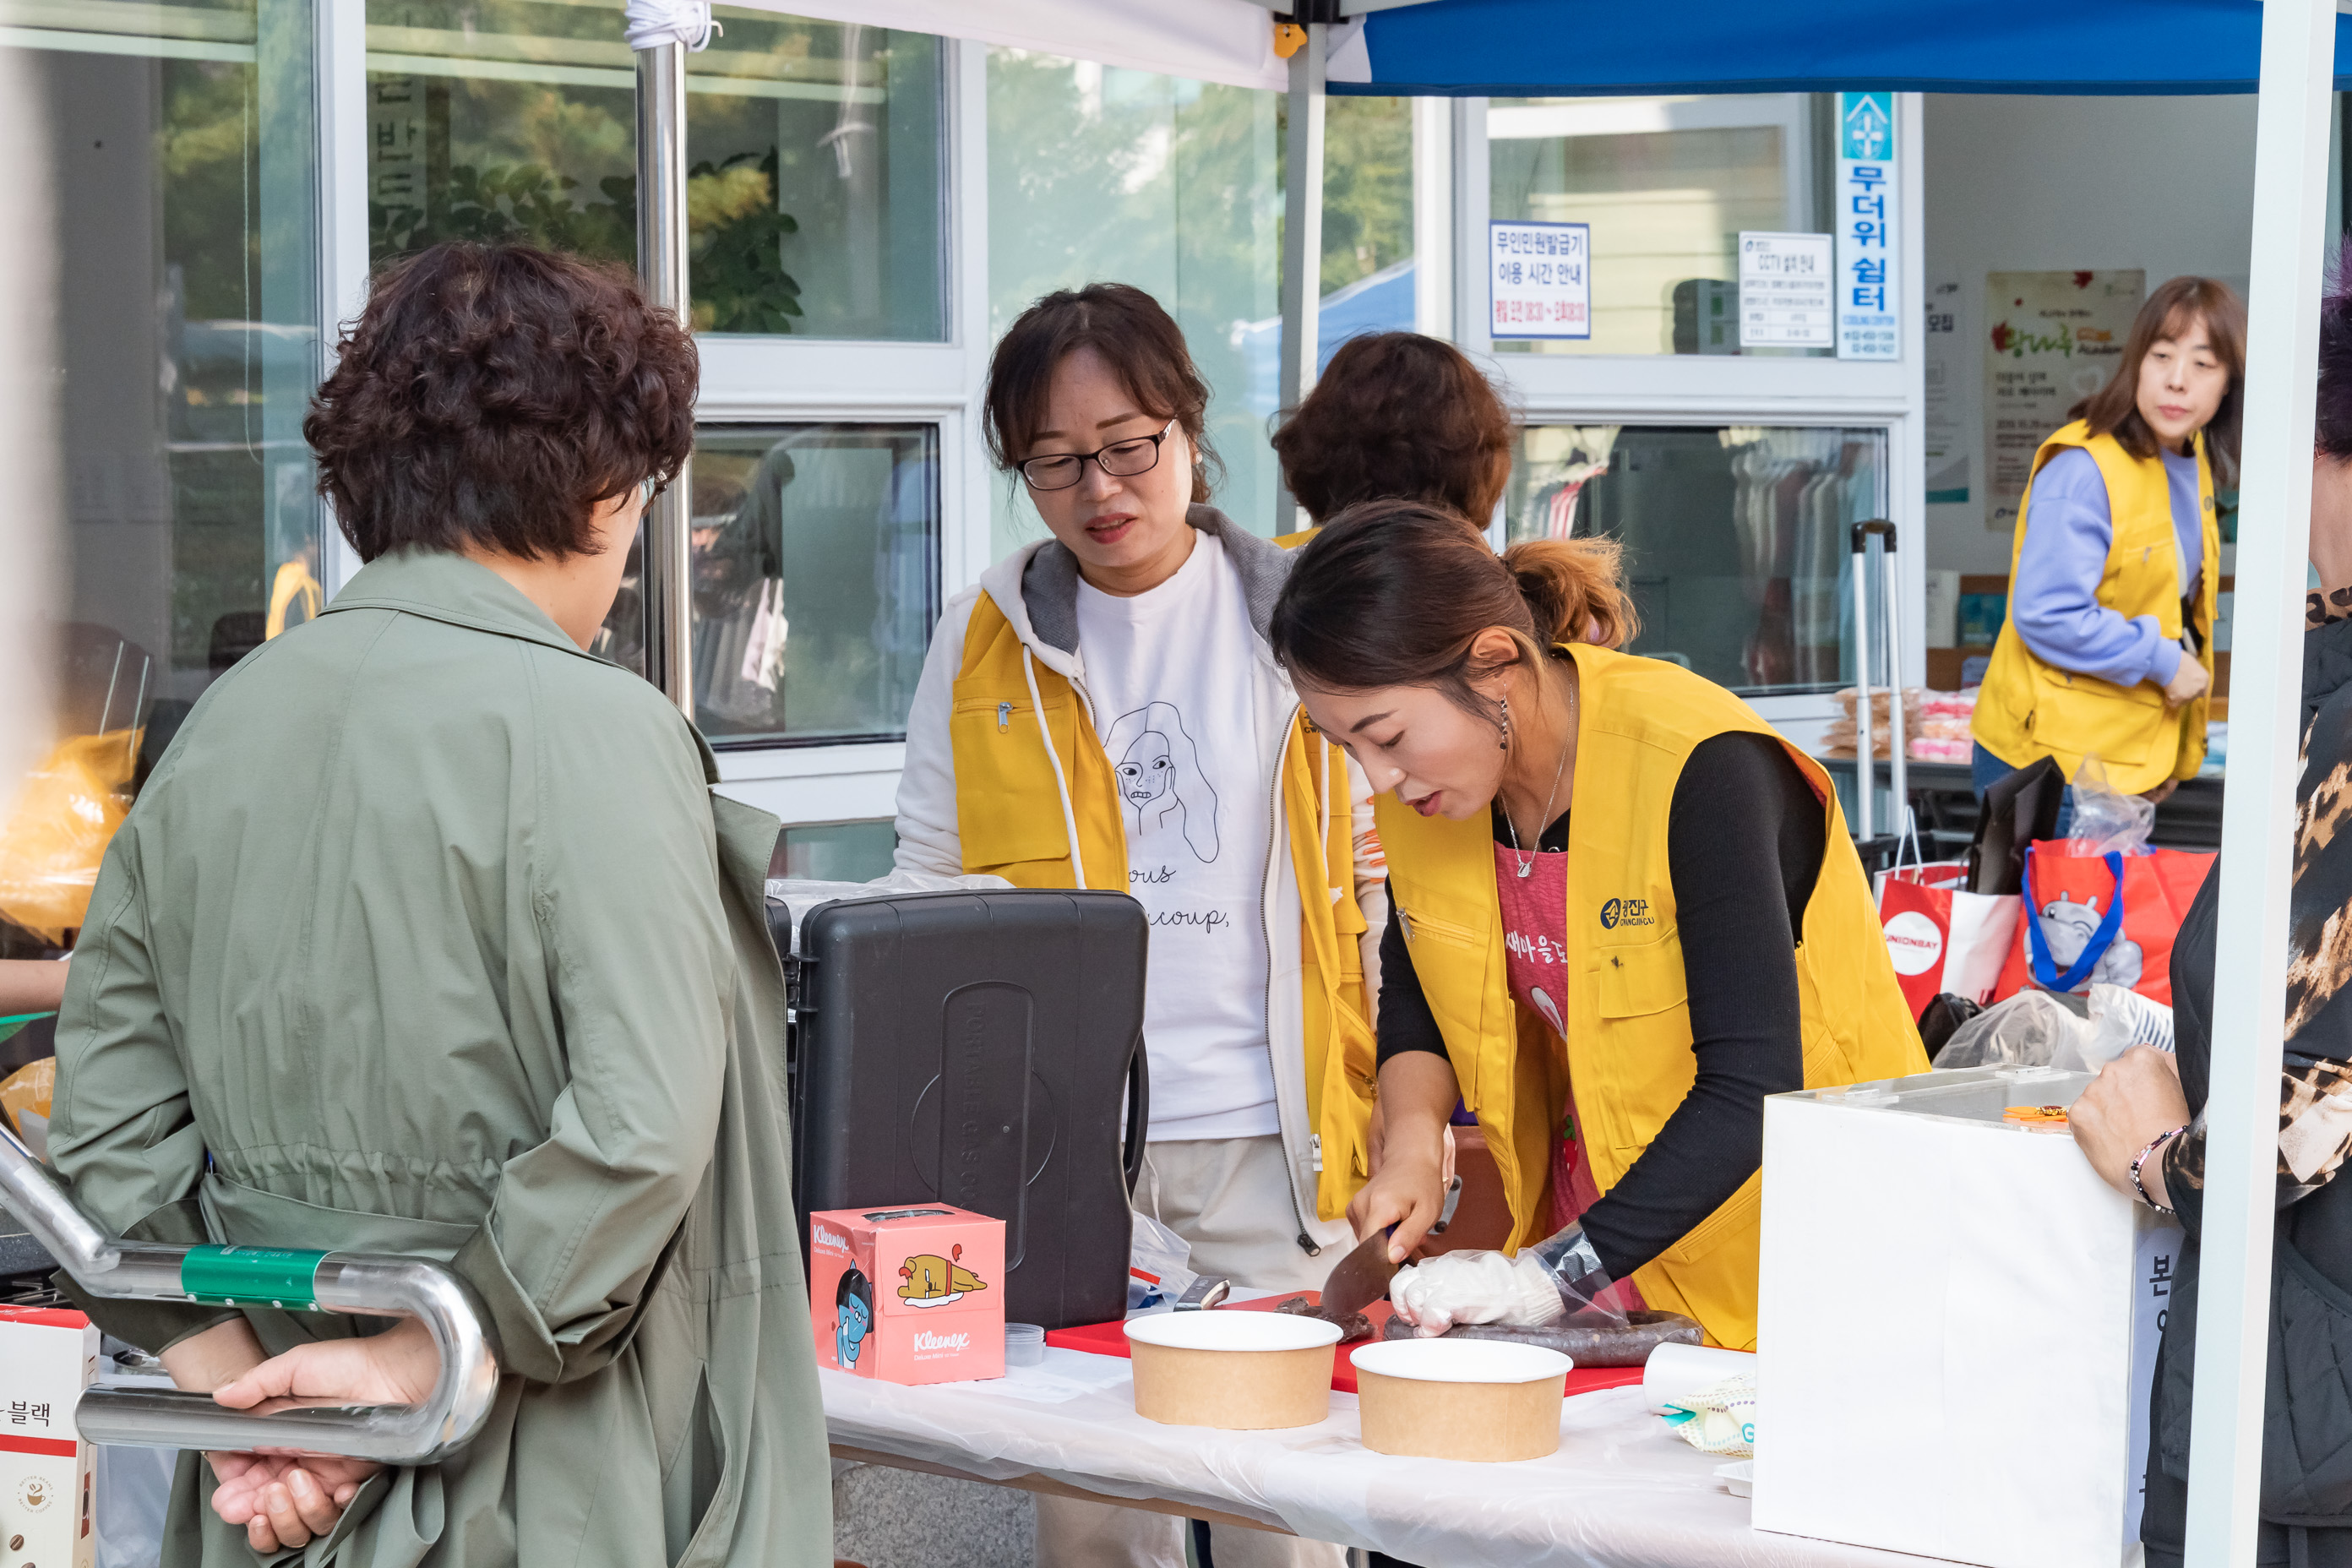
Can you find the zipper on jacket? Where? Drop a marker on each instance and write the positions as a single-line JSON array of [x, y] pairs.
[[1003, 717], [1265, 929]]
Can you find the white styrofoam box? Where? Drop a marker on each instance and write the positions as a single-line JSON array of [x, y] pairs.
[[1957, 1324], [47, 1358]]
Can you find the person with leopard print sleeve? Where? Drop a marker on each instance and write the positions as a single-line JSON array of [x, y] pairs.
[[2142, 1125]]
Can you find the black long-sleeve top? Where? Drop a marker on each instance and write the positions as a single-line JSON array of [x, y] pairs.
[[1744, 846]]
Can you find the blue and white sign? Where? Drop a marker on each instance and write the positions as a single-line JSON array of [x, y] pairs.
[[1539, 278], [1869, 219]]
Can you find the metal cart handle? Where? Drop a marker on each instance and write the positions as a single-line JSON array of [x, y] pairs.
[[368, 1284]]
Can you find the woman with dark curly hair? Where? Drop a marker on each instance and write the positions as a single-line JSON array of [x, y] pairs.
[[427, 936], [1398, 416]]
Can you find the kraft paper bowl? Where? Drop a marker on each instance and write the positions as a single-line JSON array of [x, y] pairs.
[[1240, 1370], [1461, 1399]]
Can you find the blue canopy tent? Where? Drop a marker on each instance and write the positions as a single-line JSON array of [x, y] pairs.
[[1535, 49]]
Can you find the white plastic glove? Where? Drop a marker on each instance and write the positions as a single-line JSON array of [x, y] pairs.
[[1475, 1287]]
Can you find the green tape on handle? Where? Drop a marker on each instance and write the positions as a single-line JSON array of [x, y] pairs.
[[251, 1277]]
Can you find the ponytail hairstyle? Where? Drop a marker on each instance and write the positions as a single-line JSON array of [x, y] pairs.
[[1394, 592]]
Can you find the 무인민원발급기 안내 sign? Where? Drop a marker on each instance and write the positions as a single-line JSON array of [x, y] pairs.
[[1539, 278]]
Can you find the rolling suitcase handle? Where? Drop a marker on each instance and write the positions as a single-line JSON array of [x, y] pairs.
[[1872, 846], [366, 1284]]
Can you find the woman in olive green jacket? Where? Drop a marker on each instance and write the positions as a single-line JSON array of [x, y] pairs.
[[428, 937]]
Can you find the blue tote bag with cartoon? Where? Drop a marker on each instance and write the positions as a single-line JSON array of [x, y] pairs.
[[2090, 919]]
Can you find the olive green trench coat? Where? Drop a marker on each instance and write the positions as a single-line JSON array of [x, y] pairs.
[[428, 936]]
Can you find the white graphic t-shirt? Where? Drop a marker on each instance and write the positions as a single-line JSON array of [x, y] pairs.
[[1170, 673]]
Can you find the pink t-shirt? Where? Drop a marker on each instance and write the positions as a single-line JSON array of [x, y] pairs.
[[1535, 947]]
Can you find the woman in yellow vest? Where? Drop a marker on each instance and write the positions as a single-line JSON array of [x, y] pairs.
[[1104, 711], [1623, 911], [2108, 648]]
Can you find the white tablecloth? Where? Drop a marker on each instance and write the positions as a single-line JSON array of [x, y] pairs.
[[1620, 1493]]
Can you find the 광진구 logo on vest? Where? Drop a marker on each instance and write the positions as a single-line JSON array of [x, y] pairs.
[[1627, 913]]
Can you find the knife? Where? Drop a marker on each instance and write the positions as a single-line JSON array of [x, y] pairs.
[[1362, 1277]]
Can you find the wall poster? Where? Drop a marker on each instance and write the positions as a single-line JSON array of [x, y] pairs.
[[2053, 337]]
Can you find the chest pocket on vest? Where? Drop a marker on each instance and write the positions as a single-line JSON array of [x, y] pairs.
[[1636, 981], [1008, 809]]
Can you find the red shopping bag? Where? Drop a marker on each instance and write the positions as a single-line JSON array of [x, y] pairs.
[[1941, 937], [2086, 919]]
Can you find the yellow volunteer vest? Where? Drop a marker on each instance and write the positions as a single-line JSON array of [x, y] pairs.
[[2028, 709], [1629, 1032], [1009, 813]]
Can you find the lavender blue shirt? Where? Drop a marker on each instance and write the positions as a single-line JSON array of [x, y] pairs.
[[2055, 599]]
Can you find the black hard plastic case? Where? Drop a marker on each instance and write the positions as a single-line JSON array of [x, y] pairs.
[[983, 1049]]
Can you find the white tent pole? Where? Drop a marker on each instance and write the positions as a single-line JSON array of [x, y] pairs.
[[2265, 709], [1302, 234], [662, 261]]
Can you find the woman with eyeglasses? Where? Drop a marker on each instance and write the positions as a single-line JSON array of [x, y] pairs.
[[1171, 763]]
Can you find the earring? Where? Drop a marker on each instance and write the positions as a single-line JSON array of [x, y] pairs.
[[1505, 704]]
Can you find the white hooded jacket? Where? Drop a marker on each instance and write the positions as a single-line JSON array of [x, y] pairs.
[[1037, 590]]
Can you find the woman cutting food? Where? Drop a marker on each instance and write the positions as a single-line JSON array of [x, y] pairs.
[[1624, 911]]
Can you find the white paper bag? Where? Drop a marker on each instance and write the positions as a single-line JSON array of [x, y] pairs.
[[1957, 1326]]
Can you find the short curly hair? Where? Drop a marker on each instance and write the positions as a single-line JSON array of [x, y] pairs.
[[494, 397], [1398, 415]]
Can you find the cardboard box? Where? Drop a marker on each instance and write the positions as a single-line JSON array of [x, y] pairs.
[[908, 1295], [1958, 1323], [47, 1358]]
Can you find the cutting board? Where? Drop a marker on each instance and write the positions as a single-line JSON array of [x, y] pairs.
[[1110, 1338]]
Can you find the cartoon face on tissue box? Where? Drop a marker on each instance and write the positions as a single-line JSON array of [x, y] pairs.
[[908, 1295]]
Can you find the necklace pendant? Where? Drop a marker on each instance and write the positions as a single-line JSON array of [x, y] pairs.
[[1525, 866]]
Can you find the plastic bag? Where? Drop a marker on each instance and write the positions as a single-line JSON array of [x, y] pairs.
[[26, 1093], [1159, 1265], [2037, 1029], [1718, 1420], [2107, 821], [51, 848], [802, 894]]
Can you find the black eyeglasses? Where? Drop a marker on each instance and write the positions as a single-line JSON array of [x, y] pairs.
[[1121, 460]]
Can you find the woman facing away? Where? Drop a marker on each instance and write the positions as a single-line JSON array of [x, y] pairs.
[[428, 936], [1398, 416]]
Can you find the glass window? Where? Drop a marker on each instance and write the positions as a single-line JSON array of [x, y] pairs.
[[1736, 538], [1097, 172], [492, 120], [182, 139], [815, 199], [839, 851], [816, 579], [815, 195], [1667, 185]]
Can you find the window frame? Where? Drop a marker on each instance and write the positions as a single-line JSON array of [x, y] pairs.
[[1709, 389], [749, 378]]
